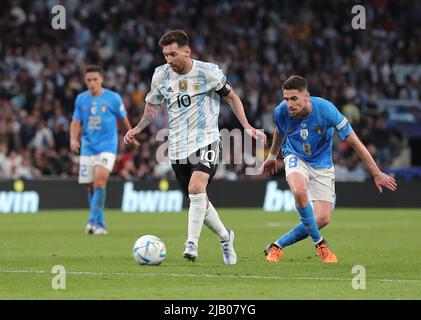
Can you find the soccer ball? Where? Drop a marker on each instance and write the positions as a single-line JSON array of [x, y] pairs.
[[149, 250]]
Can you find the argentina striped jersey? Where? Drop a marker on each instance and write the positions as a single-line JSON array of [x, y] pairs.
[[192, 105]]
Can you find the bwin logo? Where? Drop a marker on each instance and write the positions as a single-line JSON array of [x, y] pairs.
[[151, 200], [18, 201], [278, 200]]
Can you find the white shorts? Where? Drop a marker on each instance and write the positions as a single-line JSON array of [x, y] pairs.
[[87, 165], [320, 182]]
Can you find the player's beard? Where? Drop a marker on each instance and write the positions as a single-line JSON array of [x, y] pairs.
[[293, 113], [299, 114], [179, 68]]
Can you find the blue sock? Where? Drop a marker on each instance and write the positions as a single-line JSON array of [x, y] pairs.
[[98, 202], [307, 218], [297, 234], [92, 213]]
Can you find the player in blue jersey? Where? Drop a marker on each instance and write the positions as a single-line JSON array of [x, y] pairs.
[[191, 91], [95, 120], [307, 124]]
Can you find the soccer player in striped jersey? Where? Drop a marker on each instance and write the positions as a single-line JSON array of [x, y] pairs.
[[307, 124], [191, 91]]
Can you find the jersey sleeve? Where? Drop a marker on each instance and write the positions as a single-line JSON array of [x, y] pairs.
[[119, 107], [338, 121], [76, 112], [217, 78], [277, 117], [155, 96]]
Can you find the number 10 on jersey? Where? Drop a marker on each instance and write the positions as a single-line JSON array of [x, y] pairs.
[[183, 100]]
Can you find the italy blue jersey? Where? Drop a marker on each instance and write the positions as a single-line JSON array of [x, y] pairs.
[[98, 116], [310, 138]]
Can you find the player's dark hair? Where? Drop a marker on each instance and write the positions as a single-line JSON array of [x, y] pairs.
[[178, 36], [295, 83], [94, 68]]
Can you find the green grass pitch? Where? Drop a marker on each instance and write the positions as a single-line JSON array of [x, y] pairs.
[[387, 243]]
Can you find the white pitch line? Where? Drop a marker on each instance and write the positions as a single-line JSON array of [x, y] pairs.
[[191, 275]]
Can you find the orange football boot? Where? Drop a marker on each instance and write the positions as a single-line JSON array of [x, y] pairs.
[[325, 254], [274, 253]]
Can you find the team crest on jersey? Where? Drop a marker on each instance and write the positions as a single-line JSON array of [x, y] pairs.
[[182, 85], [304, 134], [196, 87], [94, 108], [104, 107]]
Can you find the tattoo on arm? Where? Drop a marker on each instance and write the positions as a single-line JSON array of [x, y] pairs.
[[151, 111], [237, 108]]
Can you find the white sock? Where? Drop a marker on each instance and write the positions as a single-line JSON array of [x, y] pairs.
[[197, 211], [213, 222]]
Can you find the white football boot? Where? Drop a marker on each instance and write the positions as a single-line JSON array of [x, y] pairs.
[[99, 231], [190, 252], [90, 228], [230, 257]]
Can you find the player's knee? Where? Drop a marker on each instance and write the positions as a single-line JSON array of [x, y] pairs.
[[196, 187], [301, 197], [100, 183], [322, 221]]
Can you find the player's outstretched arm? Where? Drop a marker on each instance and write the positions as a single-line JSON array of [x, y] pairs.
[[237, 107], [128, 127], [75, 129], [151, 111], [270, 164], [380, 178]]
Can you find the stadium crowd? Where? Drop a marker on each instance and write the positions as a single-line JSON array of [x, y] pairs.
[[257, 43]]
